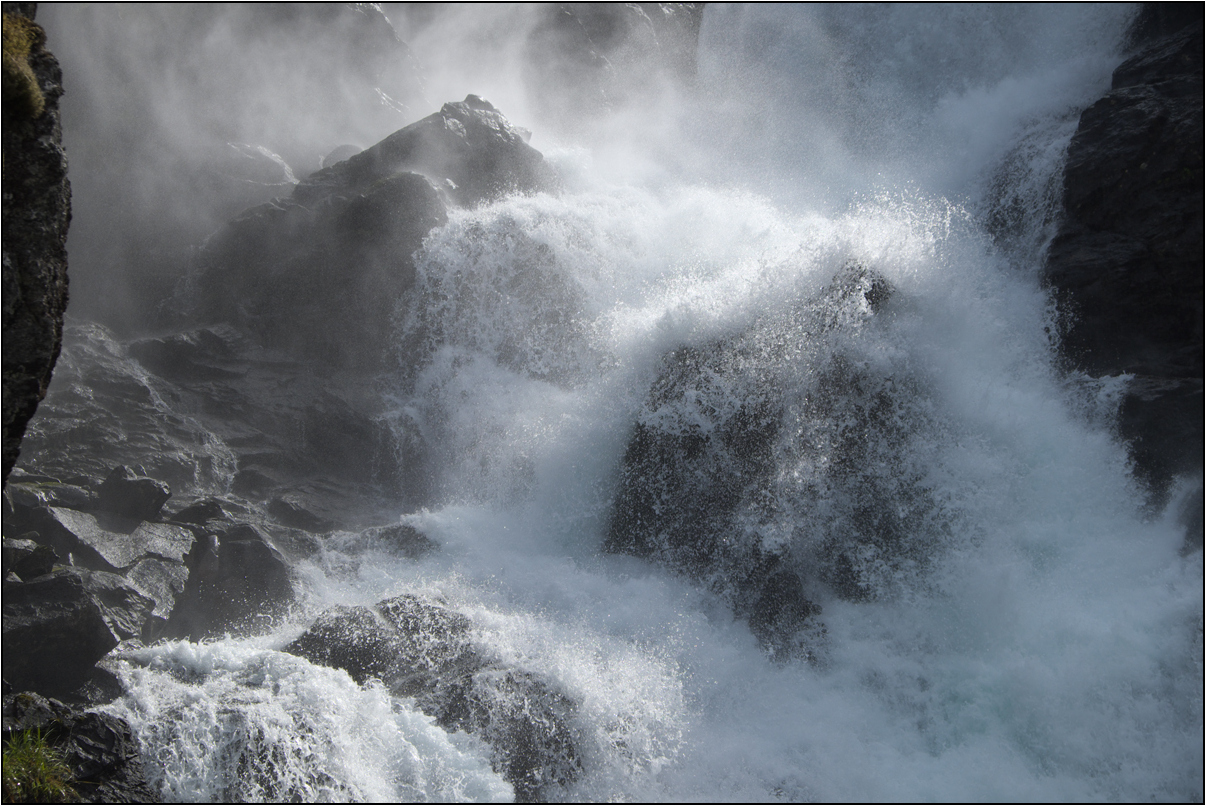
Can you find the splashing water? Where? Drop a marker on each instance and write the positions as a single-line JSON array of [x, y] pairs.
[[1049, 647]]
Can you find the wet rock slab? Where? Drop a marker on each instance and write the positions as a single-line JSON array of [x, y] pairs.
[[110, 543]]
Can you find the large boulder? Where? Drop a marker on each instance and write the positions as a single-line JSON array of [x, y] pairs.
[[239, 582], [774, 466], [467, 149], [422, 649], [1126, 264], [319, 275], [36, 213], [125, 493], [57, 626], [319, 280], [27, 559]]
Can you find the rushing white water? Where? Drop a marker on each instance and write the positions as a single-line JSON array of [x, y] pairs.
[[1051, 647]]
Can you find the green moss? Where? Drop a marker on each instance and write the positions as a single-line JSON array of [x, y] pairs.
[[22, 94], [34, 772]]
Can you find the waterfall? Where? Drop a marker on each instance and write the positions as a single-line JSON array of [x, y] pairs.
[[983, 612]]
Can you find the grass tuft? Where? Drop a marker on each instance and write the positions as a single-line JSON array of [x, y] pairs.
[[21, 90], [34, 772]]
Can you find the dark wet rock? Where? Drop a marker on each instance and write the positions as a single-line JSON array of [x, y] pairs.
[[355, 639], [1126, 265], [102, 685], [36, 214], [772, 466], [104, 409], [423, 650], [129, 495], [254, 483], [402, 539], [24, 491], [319, 282], [27, 558], [99, 749], [196, 356], [54, 633], [293, 514], [200, 513], [253, 423], [295, 544], [238, 582], [318, 276]]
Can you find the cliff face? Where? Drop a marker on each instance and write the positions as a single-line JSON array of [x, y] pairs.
[[1126, 265], [36, 211]]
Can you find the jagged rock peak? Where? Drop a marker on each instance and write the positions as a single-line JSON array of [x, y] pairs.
[[467, 148]]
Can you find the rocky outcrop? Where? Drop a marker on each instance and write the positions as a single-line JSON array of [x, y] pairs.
[[57, 626], [773, 466], [319, 275], [1126, 264], [208, 413], [171, 482], [78, 583], [467, 149], [100, 750], [422, 649], [36, 213], [239, 581], [263, 425]]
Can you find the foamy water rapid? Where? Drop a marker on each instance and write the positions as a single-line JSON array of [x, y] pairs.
[[1050, 646]]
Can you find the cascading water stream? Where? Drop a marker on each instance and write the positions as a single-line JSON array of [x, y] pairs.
[[1047, 646]]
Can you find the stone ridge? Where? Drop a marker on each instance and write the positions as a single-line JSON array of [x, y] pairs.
[[36, 214]]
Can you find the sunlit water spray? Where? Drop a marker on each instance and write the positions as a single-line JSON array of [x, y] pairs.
[[1049, 647]]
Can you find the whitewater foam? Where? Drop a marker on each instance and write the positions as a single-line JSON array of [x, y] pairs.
[[1050, 649]]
